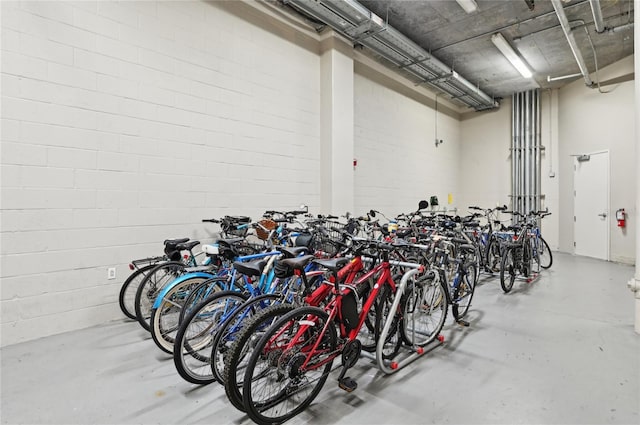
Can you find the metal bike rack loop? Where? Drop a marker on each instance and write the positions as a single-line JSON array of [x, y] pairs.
[[390, 367]]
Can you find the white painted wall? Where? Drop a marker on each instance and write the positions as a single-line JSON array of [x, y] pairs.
[[397, 161], [590, 122], [124, 123], [581, 121], [485, 162]]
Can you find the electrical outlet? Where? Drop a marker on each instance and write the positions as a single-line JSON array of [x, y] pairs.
[[111, 273]]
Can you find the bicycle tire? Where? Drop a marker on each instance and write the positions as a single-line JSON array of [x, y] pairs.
[[508, 268], [425, 308], [229, 330], [165, 320], [290, 375], [235, 363], [127, 295], [195, 337], [543, 250], [463, 294], [149, 288]]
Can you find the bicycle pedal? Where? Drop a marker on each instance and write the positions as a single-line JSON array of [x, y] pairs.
[[463, 323], [348, 384]]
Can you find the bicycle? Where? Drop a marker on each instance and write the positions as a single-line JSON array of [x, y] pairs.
[[292, 360], [140, 269], [517, 256]]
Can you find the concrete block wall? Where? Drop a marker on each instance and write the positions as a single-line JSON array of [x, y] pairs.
[[398, 163], [125, 123]]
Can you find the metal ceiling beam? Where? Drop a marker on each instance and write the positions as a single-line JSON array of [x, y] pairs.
[[566, 27], [349, 18]]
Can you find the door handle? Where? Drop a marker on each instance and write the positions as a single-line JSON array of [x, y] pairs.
[[603, 215]]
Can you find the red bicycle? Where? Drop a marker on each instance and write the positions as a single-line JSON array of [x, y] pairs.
[[292, 360]]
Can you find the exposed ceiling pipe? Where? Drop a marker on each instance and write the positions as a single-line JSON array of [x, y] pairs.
[[566, 27], [618, 29], [597, 15], [361, 26]]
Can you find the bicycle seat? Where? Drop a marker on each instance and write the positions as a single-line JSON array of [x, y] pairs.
[[250, 268], [297, 263], [333, 264], [171, 243], [188, 246], [459, 240], [292, 252]]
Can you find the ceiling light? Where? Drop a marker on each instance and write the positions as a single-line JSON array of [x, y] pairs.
[[511, 55], [469, 6]]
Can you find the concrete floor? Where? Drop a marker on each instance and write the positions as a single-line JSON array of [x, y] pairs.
[[557, 351]]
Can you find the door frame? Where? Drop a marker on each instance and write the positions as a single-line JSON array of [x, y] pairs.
[[574, 157]]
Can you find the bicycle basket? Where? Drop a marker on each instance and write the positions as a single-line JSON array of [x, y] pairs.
[[265, 224]]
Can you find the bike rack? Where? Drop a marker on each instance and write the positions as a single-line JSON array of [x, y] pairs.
[[415, 352]]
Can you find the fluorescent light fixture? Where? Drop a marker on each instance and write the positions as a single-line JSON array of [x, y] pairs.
[[511, 55], [469, 6]]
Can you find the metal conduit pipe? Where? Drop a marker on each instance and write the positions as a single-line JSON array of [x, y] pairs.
[[521, 143], [529, 150], [532, 147], [566, 27], [597, 15], [360, 25], [525, 157], [619, 28], [538, 169], [513, 151], [518, 176]]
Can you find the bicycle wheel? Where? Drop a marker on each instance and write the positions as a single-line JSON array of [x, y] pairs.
[[241, 349], [192, 347], [229, 330], [165, 319], [544, 252], [508, 269], [127, 296], [424, 310], [493, 255], [146, 294], [289, 365], [200, 293], [464, 292]]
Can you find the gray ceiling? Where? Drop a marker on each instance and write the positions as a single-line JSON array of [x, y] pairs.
[[463, 40]]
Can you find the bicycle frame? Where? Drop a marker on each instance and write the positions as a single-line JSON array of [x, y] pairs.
[[383, 270]]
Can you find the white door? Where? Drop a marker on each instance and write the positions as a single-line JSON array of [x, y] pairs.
[[591, 205]]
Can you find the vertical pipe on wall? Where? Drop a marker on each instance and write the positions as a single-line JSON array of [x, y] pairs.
[[514, 136], [539, 154], [534, 141], [527, 152], [516, 157], [513, 150], [520, 142]]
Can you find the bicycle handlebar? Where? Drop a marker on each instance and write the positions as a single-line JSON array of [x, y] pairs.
[[210, 220]]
